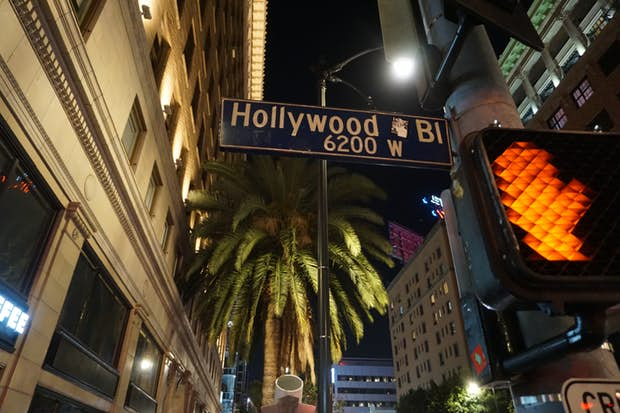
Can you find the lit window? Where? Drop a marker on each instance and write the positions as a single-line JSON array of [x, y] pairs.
[[27, 210], [558, 120], [144, 374], [582, 93]]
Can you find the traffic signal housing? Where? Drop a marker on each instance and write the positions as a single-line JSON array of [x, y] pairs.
[[539, 215]]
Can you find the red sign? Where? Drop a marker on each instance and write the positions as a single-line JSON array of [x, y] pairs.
[[478, 358], [404, 241]]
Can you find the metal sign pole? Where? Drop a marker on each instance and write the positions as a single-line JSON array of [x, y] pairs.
[[324, 399]]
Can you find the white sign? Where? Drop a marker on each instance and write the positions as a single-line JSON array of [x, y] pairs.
[[591, 396], [12, 316]]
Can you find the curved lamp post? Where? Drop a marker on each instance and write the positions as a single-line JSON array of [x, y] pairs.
[[328, 75]]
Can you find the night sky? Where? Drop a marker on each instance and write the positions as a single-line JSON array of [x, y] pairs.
[[304, 35]]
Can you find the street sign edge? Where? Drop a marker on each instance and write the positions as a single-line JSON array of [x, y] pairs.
[[571, 381]]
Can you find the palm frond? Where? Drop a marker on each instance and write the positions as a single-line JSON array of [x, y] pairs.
[[247, 207]]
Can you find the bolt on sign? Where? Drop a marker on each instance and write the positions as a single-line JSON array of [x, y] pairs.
[[348, 135], [543, 220]]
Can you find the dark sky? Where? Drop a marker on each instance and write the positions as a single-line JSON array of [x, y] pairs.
[[302, 35]]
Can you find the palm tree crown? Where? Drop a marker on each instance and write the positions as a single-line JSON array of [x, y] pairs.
[[258, 267]]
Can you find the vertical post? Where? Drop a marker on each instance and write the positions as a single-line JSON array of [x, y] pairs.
[[477, 98], [324, 405]]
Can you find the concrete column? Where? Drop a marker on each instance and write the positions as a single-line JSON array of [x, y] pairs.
[[46, 301], [530, 92], [126, 358], [575, 34], [552, 66]]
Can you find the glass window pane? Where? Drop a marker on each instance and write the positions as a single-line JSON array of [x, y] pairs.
[[150, 193], [130, 135], [81, 8], [147, 364], [24, 210], [93, 313], [45, 401]]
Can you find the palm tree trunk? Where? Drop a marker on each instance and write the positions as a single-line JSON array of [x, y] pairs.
[[271, 368]]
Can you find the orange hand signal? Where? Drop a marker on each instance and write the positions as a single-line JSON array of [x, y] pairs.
[[547, 208]]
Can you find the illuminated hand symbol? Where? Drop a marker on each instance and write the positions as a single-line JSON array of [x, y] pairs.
[[547, 208]]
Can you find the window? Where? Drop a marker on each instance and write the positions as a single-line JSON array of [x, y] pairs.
[[28, 210], [195, 102], [152, 189], [178, 262], [558, 120], [180, 4], [45, 401], [609, 60], [455, 346], [582, 93], [159, 57], [134, 131], [144, 375], [188, 52], [90, 329], [165, 235], [601, 122], [86, 13]]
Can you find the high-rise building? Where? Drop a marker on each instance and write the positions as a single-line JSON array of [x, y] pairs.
[[426, 326], [574, 83], [363, 385], [107, 109]]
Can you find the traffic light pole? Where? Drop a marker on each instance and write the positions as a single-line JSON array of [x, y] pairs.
[[478, 97]]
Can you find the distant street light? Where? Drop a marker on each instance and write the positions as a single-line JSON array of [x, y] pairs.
[[473, 389], [328, 75]]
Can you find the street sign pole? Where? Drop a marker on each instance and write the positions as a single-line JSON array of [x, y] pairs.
[[324, 399], [479, 97]]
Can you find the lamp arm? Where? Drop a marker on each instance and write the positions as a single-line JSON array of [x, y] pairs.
[[338, 67], [369, 100]]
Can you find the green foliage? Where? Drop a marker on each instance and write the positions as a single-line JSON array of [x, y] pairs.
[[255, 392], [259, 227], [452, 397], [414, 401], [310, 394]]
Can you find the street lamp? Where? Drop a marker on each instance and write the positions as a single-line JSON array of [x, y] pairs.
[[328, 75], [403, 67], [473, 389]]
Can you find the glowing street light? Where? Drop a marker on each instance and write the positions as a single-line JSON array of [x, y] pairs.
[[403, 68], [473, 389]]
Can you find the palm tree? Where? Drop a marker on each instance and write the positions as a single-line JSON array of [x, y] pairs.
[[258, 267]]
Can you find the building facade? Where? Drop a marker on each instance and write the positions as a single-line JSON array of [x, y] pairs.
[[107, 109], [426, 326], [574, 83], [363, 385]]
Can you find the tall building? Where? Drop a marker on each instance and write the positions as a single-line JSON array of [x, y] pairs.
[[107, 109], [426, 326], [363, 385], [574, 83]]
